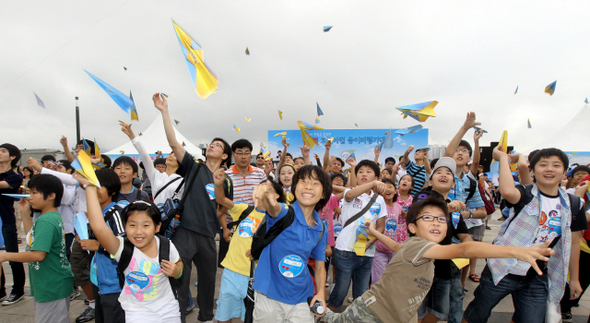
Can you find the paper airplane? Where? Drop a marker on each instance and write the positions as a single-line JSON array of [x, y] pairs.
[[236, 128], [516, 91], [529, 123], [164, 94], [308, 126], [330, 139], [327, 28], [320, 112], [408, 130], [183, 144], [176, 121], [280, 114], [586, 101], [97, 154], [419, 111], [83, 165], [247, 51], [39, 101], [284, 133], [550, 88], [80, 222], [504, 141], [356, 125], [87, 149], [478, 128], [125, 68], [17, 196], [140, 134], [126, 103], [388, 142], [247, 119], [265, 151], [204, 81], [317, 120]]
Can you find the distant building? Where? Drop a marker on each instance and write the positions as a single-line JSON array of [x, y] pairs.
[[436, 151], [37, 153]]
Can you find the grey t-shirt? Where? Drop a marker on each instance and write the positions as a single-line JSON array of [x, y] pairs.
[[200, 209], [124, 199]]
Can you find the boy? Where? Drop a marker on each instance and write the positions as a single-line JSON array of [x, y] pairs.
[[577, 175], [126, 168], [354, 252], [49, 269], [541, 213], [408, 277], [417, 169], [10, 182]]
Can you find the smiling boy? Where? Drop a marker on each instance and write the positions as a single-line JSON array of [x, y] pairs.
[[541, 213], [126, 168]]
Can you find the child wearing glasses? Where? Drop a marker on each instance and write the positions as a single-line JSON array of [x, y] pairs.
[[411, 270]]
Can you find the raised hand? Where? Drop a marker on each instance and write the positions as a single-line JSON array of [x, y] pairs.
[[470, 121], [64, 142], [160, 102], [126, 128]]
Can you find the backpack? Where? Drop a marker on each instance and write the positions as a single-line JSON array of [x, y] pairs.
[[244, 215], [262, 238], [127, 253]]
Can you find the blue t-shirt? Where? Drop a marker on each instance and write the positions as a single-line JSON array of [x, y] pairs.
[[419, 175], [461, 192], [282, 272]]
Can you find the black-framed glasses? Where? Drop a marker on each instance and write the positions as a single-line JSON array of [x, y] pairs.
[[430, 218]]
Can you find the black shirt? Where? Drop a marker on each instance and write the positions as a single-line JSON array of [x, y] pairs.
[[7, 203]]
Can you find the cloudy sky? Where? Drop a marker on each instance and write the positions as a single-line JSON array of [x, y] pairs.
[[468, 55]]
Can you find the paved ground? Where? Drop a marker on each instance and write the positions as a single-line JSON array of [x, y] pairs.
[[23, 312]]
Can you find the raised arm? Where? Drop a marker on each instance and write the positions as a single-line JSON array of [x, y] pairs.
[[476, 155], [100, 229], [327, 163], [161, 104], [284, 154], [351, 174], [406, 156], [25, 211], [377, 153], [220, 198], [64, 143], [145, 156], [376, 186], [523, 169], [387, 241], [507, 188], [468, 124]]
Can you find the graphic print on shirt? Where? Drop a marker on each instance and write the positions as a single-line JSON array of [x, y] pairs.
[[248, 226], [291, 266], [141, 283], [390, 225], [550, 226], [375, 209], [337, 228], [210, 190]]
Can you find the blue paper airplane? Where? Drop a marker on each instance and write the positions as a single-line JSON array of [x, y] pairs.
[[126, 103], [419, 111], [516, 91], [408, 130], [320, 112], [327, 28], [478, 128], [586, 101], [550, 88]]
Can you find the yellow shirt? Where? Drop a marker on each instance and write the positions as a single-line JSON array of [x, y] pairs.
[[241, 241]]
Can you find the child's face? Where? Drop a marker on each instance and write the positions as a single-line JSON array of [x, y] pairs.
[[337, 181], [390, 191], [140, 229], [405, 183], [433, 231], [38, 202], [461, 156], [286, 176], [384, 174], [578, 177], [365, 175], [299, 163], [549, 171], [289, 160], [442, 180], [389, 164], [309, 191], [125, 173], [336, 167]]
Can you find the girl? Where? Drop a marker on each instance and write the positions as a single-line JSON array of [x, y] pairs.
[[147, 295], [27, 173], [385, 173], [164, 185], [282, 280], [395, 229], [286, 172], [404, 199]]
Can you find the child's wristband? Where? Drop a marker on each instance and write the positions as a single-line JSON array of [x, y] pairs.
[[179, 275]]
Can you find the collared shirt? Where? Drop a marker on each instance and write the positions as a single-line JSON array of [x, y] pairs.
[[419, 175], [244, 185], [461, 192]]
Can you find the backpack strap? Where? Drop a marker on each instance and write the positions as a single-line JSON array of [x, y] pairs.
[[187, 188], [244, 215], [164, 254], [138, 194], [125, 259], [472, 188], [168, 184], [363, 211], [574, 204]]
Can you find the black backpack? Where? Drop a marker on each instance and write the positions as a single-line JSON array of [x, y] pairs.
[[262, 238], [127, 253], [244, 215]]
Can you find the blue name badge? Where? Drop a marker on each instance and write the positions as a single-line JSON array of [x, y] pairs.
[[291, 266]]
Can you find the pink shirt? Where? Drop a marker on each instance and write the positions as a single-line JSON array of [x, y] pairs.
[[395, 225], [327, 216]]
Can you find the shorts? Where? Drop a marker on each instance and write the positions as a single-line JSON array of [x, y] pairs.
[[269, 310], [477, 232], [437, 301], [168, 313], [55, 311], [233, 290], [80, 261]]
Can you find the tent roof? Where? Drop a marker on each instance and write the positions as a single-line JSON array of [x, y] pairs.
[[153, 139], [573, 136]]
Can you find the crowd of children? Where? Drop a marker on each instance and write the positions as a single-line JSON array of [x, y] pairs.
[[394, 231]]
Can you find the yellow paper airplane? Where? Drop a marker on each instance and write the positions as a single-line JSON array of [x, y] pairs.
[[280, 114], [419, 111], [284, 133], [247, 119], [83, 165], [236, 128]]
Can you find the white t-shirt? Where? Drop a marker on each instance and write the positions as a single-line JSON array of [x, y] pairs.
[[348, 237], [549, 229], [147, 288]]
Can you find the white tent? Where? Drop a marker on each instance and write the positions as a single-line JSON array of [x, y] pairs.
[[153, 139]]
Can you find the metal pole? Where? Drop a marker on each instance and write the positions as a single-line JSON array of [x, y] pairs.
[[77, 122]]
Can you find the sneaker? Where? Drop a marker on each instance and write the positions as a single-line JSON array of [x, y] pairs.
[[567, 316], [12, 299], [3, 298], [190, 308], [75, 294], [86, 302], [88, 315], [351, 299]]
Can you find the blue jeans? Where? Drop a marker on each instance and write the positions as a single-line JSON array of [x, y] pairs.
[[445, 298], [529, 296], [349, 267]]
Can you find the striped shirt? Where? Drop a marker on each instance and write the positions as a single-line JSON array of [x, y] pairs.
[[244, 185], [419, 175]]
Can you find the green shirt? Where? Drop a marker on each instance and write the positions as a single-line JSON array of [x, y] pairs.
[[52, 278]]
